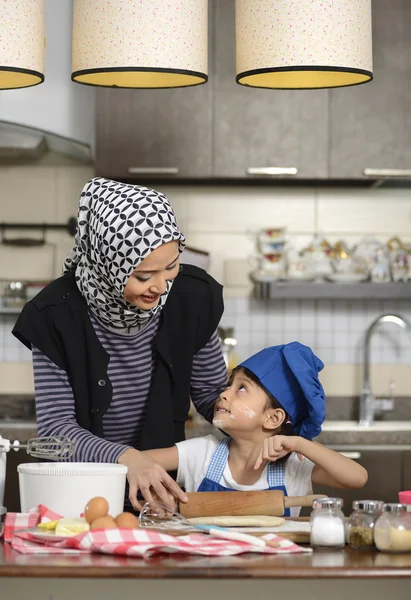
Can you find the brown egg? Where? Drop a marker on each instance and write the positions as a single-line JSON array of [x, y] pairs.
[[96, 507], [126, 520], [104, 523]]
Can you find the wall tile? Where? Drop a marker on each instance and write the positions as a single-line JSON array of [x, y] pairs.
[[242, 323], [28, 194], [229, 209], [223, 247], [20, 263], [69, 183], [242, 306], [309, 338], [258, 323], [377, 211]]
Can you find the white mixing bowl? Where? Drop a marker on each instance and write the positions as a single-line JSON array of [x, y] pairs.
[[67, 487]]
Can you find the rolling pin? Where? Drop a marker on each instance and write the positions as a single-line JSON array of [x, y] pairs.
[[264, 502]]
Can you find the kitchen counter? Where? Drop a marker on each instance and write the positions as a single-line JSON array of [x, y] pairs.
[[320, 574], [345, 563]]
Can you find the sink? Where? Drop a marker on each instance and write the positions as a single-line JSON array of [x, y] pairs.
[[376, 426]]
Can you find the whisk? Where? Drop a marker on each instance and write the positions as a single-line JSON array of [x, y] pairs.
[[48, 448], [155, 515]]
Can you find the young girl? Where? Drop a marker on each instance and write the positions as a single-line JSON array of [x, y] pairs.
[[273, 407]]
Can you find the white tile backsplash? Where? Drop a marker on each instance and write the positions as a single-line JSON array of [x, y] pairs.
[[337, 337]]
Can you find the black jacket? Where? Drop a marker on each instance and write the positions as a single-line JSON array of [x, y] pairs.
[[57, 322]]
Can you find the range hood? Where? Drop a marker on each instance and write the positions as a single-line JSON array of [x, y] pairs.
[[52, 123], [21, 144]]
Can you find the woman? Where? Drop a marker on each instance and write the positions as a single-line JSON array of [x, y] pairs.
[[125, 337]]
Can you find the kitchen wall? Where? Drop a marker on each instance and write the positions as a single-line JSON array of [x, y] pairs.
[[223, 221]]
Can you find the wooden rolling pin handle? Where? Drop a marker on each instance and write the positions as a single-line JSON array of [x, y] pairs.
[[291, 501]]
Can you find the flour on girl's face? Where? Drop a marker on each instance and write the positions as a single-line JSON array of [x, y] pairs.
[[247, 411], [218, 423]]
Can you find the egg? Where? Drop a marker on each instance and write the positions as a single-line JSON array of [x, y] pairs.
[[126, 520], [96, 508], [104, 523]]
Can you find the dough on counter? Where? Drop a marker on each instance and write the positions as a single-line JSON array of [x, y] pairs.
[[239, 521]]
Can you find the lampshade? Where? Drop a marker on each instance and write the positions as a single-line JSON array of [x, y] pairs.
[[303, 44], [22, 43], [140, 44]]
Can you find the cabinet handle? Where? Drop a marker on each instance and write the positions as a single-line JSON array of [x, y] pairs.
[[272, 171], [352, 455], [387, 173], [153, 170]]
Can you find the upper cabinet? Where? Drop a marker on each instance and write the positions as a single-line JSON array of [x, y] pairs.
[[155, 133], [165, 133], [256, 129], [224, 130], [368, 123]]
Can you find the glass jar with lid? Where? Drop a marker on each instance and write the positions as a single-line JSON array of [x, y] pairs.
[[327, 524], [392, 530], [360, 525]]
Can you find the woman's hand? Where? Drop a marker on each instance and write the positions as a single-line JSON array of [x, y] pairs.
[[150, 478], [276, 447]]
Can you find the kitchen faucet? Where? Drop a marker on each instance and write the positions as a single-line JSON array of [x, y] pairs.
[[369, 404]]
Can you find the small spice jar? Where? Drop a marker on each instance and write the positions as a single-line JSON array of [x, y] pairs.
[[360, 525], [327, 524], [392, 530]]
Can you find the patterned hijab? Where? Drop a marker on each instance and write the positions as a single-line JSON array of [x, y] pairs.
[[119, 225]]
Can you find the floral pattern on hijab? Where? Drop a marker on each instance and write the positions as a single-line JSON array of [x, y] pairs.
[[119, 225]]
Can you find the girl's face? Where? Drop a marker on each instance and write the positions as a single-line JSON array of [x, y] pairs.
[[244, 406], [149, 280]]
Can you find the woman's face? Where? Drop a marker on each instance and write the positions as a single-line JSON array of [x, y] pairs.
[[149, 280]]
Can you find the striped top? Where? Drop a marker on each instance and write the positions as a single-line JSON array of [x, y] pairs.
[[130, 371]]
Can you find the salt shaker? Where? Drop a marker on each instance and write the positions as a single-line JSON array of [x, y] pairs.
[[360, 526], [327, 524]]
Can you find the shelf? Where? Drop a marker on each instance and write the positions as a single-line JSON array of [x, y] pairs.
[[332, 291]]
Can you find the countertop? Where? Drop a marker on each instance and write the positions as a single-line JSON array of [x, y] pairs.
[[345, 563]]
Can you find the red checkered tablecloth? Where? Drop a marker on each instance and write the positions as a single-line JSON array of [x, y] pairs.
[[128, 542]]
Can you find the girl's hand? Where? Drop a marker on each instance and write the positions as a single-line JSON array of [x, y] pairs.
[[276, 447]]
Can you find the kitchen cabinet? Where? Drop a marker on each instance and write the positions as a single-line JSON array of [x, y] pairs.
[[154, 133], [256, 128], [216, 130], [368, 123], [159, 133], [385, 477]]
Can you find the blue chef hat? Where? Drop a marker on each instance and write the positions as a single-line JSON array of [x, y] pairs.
[[290, 373]]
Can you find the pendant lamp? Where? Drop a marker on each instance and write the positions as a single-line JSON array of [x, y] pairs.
[[303, 44], [140, 43], [22, 43]]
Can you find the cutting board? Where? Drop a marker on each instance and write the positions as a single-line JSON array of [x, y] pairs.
[[299, 537]]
